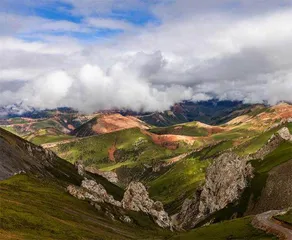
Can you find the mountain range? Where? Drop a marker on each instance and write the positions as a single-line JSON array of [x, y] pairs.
[[206, 170]]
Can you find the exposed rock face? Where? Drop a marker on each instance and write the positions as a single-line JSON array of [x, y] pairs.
[[80, 168], [277, 193], [226, 179], [282, 135], [126, 219], [136, 198], [285, 134], [18, 156], [92, 191]]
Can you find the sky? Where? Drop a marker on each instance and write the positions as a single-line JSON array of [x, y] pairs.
[[144, 55]]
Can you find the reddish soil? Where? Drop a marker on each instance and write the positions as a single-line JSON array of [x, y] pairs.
[[170, 141], [111, 153], [282, 111], [71, 127], [116, 122]]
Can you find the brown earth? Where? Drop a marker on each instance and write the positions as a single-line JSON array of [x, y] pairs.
[[261, 121], [111, 153], [116, 122], [170, 141]]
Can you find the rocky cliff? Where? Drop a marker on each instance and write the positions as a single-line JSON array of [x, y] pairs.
[[136, 198], [226, 179], [276, 139]]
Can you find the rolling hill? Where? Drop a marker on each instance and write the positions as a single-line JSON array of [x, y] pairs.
[[35, 205], [107, 123], [200, 174]]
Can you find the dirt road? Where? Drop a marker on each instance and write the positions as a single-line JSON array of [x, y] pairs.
[[267, 223]]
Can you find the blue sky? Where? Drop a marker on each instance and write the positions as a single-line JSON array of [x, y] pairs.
[[134, 13]]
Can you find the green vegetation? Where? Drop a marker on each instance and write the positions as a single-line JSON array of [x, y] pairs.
[[130, 146], [187, 129], [25, 128], [281, 155], [238, 229], [261, 109], [286, 218], [256, 143], [238, 132], [10, 129], [213, 150], [261, 171], [179, 182], [46, 135], [260, 140], [34, 208]]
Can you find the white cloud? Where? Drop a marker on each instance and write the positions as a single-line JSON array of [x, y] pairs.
[[104, 23], [197, 56]]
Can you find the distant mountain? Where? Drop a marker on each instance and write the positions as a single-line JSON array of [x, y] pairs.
[[106, 123], [200, 174], [22, 110], [212, 112], [13, 110]]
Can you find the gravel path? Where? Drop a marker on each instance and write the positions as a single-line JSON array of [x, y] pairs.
[[265, 221]]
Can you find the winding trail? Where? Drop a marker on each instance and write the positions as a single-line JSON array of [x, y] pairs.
[[267, 223]]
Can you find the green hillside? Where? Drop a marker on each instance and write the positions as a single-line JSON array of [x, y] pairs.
[[132, 148], [33, 208]]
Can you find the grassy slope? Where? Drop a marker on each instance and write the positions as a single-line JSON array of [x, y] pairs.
[[239, 229], [261, 170], [30, 128], [34, 208], [187, 129], [184, 177], [287, 218], [132, 146], [46, 135], [260, 140], [178, 183]]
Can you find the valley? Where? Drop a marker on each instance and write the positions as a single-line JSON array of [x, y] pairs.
[[109, 172]]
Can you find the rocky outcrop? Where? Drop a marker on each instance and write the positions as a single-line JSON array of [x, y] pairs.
[[285, 134], [226, 179], [276, 139], [80, 168], [136, 198], [18, 156], [90, 190], [277, 193]]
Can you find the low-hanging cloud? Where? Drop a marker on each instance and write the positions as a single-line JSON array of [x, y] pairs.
[[197, 57]]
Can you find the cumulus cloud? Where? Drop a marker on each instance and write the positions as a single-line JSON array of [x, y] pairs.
[[205, 51]]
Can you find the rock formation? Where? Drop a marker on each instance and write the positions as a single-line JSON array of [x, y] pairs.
[[80, 167], [285, 134], [226, 179], [136, 198], [90, 190], [276, 139]]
